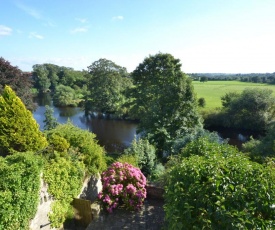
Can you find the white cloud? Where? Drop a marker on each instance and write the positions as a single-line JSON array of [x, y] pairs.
[[31, 11], [117, 18], [79, 30], [4, 30], [35, 35], [82, 20]]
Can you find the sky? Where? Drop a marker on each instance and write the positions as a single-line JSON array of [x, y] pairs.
[[208, 36]]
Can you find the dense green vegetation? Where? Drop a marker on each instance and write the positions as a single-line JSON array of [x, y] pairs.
[[163, 100], [19, 189], [107, 88], [213, 186], [64, 153], [208, 184], [268, 78], [18, 129]]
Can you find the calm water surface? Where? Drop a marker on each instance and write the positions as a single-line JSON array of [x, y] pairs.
[[114, 135]]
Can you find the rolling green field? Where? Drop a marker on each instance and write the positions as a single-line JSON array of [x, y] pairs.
[[213, 90]]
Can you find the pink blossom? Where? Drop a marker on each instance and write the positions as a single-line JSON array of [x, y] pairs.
[[123, 182]]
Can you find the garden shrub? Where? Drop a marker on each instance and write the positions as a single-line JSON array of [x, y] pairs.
[[19, 189], [219, 189], [84, 143], [122, 184], [64, 177], [19, 132], [130, 159], [145, 153]]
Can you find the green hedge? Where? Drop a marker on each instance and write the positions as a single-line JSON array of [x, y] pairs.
[[19, 190], [220, 190]]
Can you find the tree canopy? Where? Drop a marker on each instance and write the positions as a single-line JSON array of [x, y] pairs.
[[107, 86], [20, 82], [164, 99], [253, 109]]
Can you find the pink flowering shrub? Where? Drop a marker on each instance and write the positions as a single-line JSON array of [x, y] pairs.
[[122, 183]]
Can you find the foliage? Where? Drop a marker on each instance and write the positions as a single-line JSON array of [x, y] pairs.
[[204, 146], [265, 147], [122, 183], [40, 76], [157, 173], [84, 143], [229, 98], [64, 177], [18, 129], [145, 154], [215, 187], [253, 109], [20, 82], [201, 102], [107, 86], [164, 100], [58, 143], [64, 96], [50, 121], [128, 158], [181, 142], [19, 190]]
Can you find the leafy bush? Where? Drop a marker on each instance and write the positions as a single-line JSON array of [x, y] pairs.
[[122, 183], [265, 147], [127, 158], [180, 143], [157, 173], [219, 189], [84, 143], [201, 102], [64, 177], [145, 153], [19, 190]]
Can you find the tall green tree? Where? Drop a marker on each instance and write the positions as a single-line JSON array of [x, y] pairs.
[[40, 76], [164, 100], [18, 129], [107, 85], [20, 82], [50, 121]]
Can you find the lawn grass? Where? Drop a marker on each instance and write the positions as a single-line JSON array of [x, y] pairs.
[[213, 90]]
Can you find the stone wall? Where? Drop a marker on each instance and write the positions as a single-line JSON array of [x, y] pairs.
[[90, 189]]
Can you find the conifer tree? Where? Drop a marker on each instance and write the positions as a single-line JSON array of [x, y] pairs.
[[50, 121], [18, 129]]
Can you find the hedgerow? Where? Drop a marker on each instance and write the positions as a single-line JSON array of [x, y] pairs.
[[19, 190]]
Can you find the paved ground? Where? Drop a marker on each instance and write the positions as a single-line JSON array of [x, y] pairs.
[[150, 217]]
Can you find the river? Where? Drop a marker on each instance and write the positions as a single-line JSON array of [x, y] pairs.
[[114, 135]]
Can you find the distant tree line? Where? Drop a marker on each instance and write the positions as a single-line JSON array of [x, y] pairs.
[[268, 78]]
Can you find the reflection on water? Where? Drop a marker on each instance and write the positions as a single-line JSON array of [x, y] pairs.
[[114, 135]]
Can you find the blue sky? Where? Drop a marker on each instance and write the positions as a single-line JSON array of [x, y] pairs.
[[231, 36]]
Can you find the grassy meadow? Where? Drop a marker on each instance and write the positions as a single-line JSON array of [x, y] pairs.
[[213, 90]]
